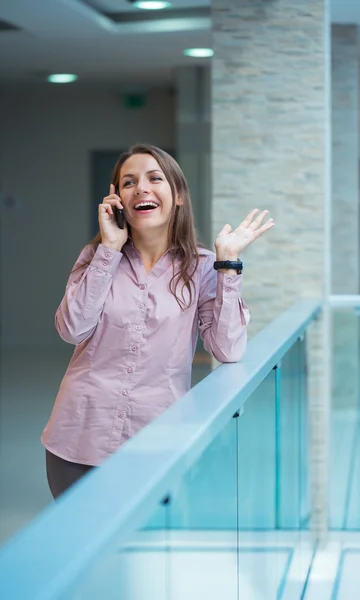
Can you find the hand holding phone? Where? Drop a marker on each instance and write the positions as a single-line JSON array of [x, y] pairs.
[[112, 223]]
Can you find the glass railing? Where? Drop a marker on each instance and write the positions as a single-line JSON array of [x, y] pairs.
[[209, 501]]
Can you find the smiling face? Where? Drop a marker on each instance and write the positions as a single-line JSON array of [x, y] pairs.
[[146, 194]]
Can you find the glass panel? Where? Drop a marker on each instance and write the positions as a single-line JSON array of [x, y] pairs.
[[262, 564], [293, 508], [345, 438], [274, 555], [188, 549], [204, 525], [206, 497], [257, 459], [304, 455], [139, 571]]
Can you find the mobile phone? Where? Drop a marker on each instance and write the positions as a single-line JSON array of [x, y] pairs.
[[119, 216], [119, 213]]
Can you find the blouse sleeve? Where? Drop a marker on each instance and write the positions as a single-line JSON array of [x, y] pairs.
[[223, 315], [86, 291]]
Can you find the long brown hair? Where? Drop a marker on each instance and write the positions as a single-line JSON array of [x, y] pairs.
[[182, 240]]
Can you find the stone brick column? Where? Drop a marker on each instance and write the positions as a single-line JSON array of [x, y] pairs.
[[271, 149], [345, 211]]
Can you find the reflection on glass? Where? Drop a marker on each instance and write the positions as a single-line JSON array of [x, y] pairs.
[[257, 455], [293, 510], [262, 564], [345, 423], [139, 571], [204, 524]]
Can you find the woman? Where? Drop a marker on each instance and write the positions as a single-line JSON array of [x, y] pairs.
[[133, 306]]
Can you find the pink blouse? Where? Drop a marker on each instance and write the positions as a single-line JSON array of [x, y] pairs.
[[134, 346]]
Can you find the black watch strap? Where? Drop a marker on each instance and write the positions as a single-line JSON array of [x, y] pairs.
[[237, 265]]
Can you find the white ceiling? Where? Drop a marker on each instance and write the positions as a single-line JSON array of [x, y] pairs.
[[74, 36]]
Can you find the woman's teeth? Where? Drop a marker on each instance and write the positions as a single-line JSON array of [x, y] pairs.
[[145, 205]]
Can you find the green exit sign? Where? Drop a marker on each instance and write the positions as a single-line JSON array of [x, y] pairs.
[[135, 100]]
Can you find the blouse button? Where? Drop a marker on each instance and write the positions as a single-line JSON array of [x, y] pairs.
[[228, 280], [105, 263], [140, 305], [142, 286], [134, 348], [138, 327], [107, 254], [124, 392], [129, 369], [228, 289]]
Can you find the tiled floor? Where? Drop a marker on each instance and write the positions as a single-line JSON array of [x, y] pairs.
[[272, 565], [196, 566], [203, 566]]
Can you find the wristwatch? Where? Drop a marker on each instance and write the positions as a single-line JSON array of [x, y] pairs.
[[237, 265]]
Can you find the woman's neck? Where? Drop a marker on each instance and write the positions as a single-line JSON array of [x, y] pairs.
[[150, 248]]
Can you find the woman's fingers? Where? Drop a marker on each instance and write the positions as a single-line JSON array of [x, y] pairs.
[[248, 219], [114, 200], [251, 222], [105, 207], [257, 222], [268, 225], [225, 230], [113, 196]]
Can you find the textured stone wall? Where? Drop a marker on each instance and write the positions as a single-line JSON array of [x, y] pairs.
[[269, 143]]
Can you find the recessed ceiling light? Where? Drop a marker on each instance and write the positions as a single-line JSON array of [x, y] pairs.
[[62, 78], [199, 52], [151, 4]]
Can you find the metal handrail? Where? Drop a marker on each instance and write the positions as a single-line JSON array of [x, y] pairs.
[[344, 301]]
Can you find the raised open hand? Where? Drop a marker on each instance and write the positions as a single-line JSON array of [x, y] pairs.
[[229, 244]]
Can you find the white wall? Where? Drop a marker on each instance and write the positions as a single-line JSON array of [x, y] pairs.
[[46, 135]]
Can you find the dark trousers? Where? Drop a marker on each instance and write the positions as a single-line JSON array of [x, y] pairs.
[[61, 474]]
